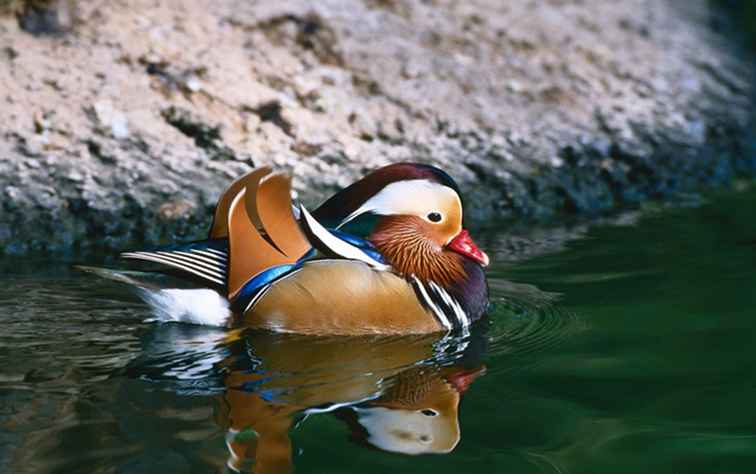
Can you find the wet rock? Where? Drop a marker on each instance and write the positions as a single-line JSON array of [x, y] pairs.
[[123, 130], [46, 17]]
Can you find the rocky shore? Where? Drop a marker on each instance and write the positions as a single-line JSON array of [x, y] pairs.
[[120, 123]]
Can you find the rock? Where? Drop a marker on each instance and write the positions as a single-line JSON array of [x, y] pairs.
[[43, 17], [111, 121], [123, 130]]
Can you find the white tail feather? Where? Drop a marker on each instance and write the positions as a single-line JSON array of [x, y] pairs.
[[194, 306]]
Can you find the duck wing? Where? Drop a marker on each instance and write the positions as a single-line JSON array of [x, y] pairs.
[[251, 180], [254, 230], [278, 242], [256, 238], [205, 262]]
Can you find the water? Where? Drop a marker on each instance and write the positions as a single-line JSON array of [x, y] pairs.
[[630, 350]]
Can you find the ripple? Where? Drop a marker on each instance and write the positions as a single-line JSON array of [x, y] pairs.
[[526, 321]]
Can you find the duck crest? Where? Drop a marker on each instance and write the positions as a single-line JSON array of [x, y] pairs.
[[341, 205]]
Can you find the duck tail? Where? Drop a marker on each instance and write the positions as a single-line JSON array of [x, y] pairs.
[[167, 301]]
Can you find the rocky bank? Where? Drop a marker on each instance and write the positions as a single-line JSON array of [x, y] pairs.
[[121, 122]]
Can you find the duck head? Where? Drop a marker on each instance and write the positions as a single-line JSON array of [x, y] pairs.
[[412, 213]]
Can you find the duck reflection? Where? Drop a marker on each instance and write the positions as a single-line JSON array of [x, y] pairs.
[[398, 394], [418, 415], [395, 393]]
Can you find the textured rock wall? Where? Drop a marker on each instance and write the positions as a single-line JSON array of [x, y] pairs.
[[124, 126]]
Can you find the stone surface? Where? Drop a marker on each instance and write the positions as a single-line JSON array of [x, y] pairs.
[[123, 128]]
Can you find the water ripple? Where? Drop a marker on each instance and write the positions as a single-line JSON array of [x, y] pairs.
[[526, 321]]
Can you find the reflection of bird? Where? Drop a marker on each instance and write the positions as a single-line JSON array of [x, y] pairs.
[[418, 415], [389, 390], [387, 254]]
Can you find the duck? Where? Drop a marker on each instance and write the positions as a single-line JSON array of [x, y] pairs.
[[388, 254]]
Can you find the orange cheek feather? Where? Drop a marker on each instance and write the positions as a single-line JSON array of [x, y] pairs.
[[414, 247]]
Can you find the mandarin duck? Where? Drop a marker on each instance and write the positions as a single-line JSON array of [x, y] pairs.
[[387, 254]]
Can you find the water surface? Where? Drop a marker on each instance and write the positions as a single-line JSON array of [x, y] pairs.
[[630, 350]]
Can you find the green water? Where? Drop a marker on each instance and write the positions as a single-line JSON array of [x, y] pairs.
[[632, 350]]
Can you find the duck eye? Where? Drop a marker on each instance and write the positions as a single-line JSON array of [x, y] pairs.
[[435, 217]]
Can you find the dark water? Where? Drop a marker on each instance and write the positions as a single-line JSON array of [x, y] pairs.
[[645, 362]]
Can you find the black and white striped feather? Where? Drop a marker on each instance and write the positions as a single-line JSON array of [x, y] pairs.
[[447, 310], [205, 263]]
